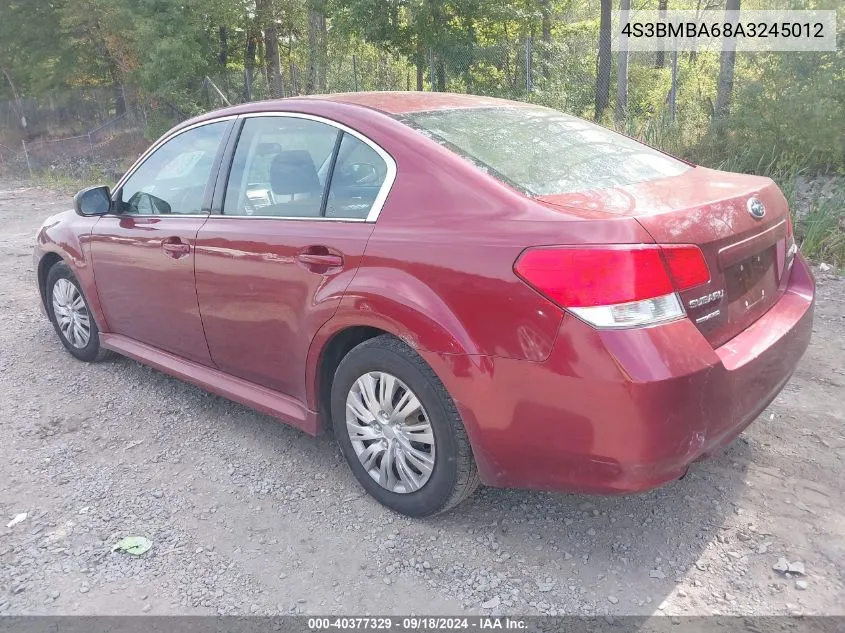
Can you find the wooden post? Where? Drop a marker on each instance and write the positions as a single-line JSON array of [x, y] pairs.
[[26, 155]]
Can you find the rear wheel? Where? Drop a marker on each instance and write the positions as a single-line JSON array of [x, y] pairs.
[[399, 429], [70, 314]]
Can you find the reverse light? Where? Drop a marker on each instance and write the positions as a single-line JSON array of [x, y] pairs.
[[615, 286]]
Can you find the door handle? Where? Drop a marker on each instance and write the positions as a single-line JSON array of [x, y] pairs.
[[314, 259], [175, 247]]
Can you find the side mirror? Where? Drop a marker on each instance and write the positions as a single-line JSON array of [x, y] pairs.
[[92, 201]]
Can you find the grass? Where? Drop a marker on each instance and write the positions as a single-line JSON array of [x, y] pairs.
[[823, 230]]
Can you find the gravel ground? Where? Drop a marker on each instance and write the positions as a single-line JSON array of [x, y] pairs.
[[247, 515]]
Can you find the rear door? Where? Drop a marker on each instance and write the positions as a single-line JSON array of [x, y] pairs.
[[143, 255], [271, 267]]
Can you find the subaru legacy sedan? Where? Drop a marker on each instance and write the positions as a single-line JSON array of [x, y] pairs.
[[460, 289]]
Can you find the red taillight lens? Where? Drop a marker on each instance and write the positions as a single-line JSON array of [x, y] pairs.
[[686, 266], [576, 277]]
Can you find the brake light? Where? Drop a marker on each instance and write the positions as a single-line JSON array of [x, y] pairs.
[[615, 286], [686, 266]]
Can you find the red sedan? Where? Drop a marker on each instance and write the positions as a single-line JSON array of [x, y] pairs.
[[462, 289]]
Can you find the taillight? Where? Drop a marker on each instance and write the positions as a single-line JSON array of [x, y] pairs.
[[791, 246], [615, 286]]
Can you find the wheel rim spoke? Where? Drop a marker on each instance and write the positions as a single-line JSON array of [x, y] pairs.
[[395, 443], [407, 405], [386, 476], [355, 404], [406, 473], [367, 389], [420, 433], [418, 459], [387, 387], [369, 456], [363, 432]]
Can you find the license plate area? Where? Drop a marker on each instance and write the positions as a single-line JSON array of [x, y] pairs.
[[751, 284]]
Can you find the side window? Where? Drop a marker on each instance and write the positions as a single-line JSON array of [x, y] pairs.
[[174, 177], [358, 176], [280, 167]]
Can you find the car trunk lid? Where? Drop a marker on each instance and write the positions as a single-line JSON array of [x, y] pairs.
[[748, 256]]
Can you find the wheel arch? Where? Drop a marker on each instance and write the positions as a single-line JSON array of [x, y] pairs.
[[353, 323], [47, 261]]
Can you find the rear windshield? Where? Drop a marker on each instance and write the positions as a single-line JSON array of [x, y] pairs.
[[543, 151]]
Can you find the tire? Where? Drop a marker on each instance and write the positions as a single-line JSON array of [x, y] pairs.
[[454, 475], [58, 278]]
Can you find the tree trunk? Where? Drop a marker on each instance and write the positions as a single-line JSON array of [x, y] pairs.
[[420, 64], [725, 85], [274, 65], [223, 56], [622, 70], [546, 34], [316, 75], [249, 64], [117, 86], [323, 46], [119, 100], [660, 56], [440, 67], [603, 71]]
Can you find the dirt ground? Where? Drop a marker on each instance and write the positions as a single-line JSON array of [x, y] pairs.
[[247, 515]]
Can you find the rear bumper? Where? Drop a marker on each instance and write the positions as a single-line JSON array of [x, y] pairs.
[[613, 412]]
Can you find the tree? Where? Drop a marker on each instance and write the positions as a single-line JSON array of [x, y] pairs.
[[265, 14], [622, 71], [725, 85], [546, 35], [660, 56], [317, 46], [603, 61]]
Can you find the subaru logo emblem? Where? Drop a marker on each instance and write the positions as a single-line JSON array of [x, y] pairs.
[[756, 208]]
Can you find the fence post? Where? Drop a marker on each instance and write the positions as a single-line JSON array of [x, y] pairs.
[[26, 155], [90, 144], [355, 73]]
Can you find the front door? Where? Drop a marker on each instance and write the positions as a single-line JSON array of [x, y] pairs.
[[272, 268], [143, 253]]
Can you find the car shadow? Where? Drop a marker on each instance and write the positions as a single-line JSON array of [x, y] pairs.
[[620, 555], [566, 553]]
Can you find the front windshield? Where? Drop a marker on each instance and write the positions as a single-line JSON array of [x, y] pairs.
[[543, 151]]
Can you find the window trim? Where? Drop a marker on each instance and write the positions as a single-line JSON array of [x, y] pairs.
[[164, 139], [378, 203]]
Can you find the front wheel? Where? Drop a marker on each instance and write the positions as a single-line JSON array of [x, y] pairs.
[[70, 314], [399, 429]]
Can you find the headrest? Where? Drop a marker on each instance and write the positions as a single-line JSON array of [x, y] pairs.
[[293, 171]]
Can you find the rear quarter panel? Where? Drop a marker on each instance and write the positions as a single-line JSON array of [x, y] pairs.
[[438, 269]]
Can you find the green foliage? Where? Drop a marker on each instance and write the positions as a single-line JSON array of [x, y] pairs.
[[787, 110], [823, 230]]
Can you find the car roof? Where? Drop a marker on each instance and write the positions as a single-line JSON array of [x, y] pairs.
[[402, 102], [389, 103]]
